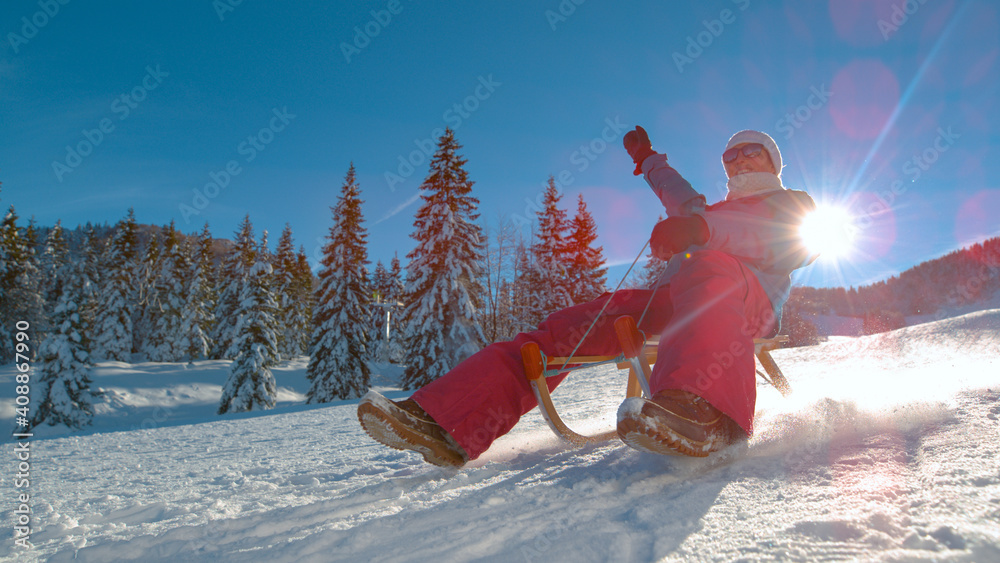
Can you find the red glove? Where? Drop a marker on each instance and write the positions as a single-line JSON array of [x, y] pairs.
[[674, 234], [638, 146]]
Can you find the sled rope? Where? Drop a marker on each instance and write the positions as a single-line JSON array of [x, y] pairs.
[[648, 303], [608, 302]]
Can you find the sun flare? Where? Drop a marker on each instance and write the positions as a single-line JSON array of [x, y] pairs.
[[828, 231]]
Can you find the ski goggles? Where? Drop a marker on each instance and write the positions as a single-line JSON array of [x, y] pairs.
[[750, 150]]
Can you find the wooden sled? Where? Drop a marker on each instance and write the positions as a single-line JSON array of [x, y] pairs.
[[638, 355]]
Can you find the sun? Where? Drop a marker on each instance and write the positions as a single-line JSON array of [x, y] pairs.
[[828, 231]]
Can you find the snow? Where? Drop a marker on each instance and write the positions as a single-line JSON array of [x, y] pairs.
[[888, 449]]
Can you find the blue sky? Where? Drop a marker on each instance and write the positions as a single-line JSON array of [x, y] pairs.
[[886, 107]]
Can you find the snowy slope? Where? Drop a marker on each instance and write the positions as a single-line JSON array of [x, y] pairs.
[[889, 449]]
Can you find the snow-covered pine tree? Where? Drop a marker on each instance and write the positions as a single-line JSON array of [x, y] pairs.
[[235, 268], [147, 306], [286, 293], [264, 250], [385, 323], [33, 305], [587, 274], [391, 348], [54, 263], [548, 287], [380, 282], [442, 278], [397, 324], [377, 338], [113, 328], [20, 291], [252, 255], [338, 362], [397, 286], [304, 302], [89, 271], [197, 314], [7, 267], [62, 393], [165, 341], [255, 345]]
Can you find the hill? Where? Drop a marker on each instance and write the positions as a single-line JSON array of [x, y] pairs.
[[959, 282]]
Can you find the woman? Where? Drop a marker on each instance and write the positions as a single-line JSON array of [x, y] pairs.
[[727, 277]]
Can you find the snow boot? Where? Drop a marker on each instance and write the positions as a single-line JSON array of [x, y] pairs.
[[405, 426], [676, 422]]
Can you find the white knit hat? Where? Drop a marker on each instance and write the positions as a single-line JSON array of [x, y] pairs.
[[751, 136]]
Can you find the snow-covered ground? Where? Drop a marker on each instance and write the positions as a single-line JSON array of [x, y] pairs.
[[889, 449]]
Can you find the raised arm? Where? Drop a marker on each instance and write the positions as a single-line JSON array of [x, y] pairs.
[[673, 191]]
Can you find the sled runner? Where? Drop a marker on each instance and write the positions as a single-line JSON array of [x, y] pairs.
[[638, 354]]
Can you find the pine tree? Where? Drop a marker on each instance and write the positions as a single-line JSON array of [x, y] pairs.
[[255, 346], [548, 276], [290, 321], [394, 293], [380, 282], [113, 325], [20, 290], [264, 250], [89, 271], [8, 252], [338, 363], [31, 284], [587, 274], [165, 341], [62, 394], [379, 314], [442, 287], [300, 325], [235, 268], [197, 315], [147, 308], [385, 325], [54, 263]]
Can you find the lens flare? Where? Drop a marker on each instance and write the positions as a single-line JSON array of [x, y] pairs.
[[829, 231]]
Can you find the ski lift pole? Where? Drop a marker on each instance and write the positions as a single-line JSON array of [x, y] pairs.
[[388, 314]]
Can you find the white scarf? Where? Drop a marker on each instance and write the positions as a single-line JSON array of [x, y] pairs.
[[752, 183]]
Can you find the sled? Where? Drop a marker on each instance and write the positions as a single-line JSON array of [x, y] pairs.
[[638, 355]]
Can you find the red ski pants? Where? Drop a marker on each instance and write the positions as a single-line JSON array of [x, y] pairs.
[[707, 318]]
